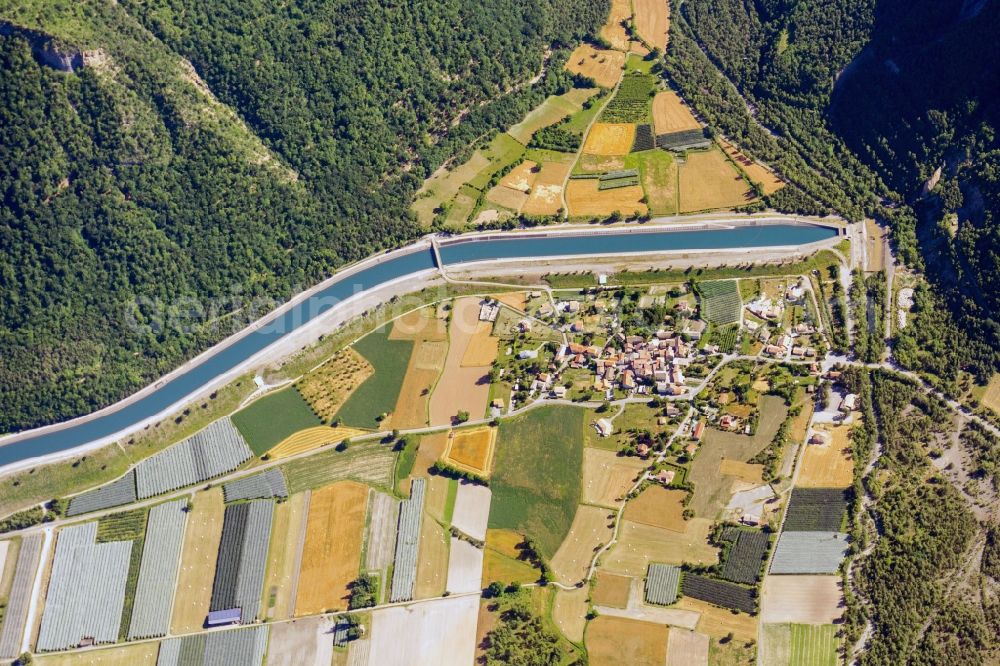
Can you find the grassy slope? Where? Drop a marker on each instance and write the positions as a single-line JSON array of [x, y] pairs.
[[266, 422], [536, 486], [379, 393]]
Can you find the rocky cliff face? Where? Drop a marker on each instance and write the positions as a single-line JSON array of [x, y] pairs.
[[48, 51]]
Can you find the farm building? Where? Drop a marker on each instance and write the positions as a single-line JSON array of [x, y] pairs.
[[604, 427], [699, 430], [849, 403], [222, 618]]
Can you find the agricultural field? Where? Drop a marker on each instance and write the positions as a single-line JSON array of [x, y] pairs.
[[545, 197], [717, 622], [720, 301], [267, 421], [380, 545], [604, 67], [157, 578], [816, 510], [652, 22], [502, 559], [421, 324], [611, 590], [550, 112], [662, 584], [460, 388], [709, 181], [242, 558], [17, 592], [639, 545], [408, 538], [658, 173], [569, 612], [800, 645], [201, 545], [687, 647], [615, 640], [597, 164], [631, 104], [285, 557], [609, 139], [536, 484], [756, 172], [809, 552], [332, 551], [472, 509], [746, 472], [828, 465], [465, 567], [369, 462], [670, 114], [482, 348], [712, 490], [584, 198], [513, 189], [608, 476], [806, 599], [746, 555], [719, 592], [591, 528], [378, 395], [269, 484], [613, 31], [140, 654], [659, 507], [305, 641], [328, 386], [423, 371], [117, 493], [433, 560], [440, 632], [444, 185], [312, 438]]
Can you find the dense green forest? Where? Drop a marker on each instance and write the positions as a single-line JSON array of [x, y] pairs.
[[857, 103], [140, 190]]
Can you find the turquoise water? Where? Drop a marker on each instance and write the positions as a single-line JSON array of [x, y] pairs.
[[397, 267]]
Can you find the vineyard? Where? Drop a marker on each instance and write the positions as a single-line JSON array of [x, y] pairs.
[[809, 553], [720, 301], [633, 100], [746, 555], [16, 613], [662, 582], [217, 449], [116, 493], [816, 510], [644, 139], [154, 591], [719, 593], [266, 485], [683, 140], [725, 337], [242, 558], [404, 574]]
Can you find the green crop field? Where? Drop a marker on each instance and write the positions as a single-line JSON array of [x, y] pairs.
[[720, 301], [377, 395], [266, 422], [502, 151], [814, 645], [536, 485], [126, 526]]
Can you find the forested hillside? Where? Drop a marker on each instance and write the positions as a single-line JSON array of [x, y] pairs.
[[140, 189], [858, 102]]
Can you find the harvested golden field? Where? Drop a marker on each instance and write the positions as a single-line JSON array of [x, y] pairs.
[[283, 557], [585, 200], [432, 560], [802, 599], [828, 465], [610, 139], [513, 299], [877, 238], [473, 450], [599, 163], [591, 527], [652, 22], [422, 324], [506, 197], [604, 67], [670, 114], [327, 387], [443, 185], [201, 546], [616, 640], [717, 622], [546, 194], [139, 654], [613, 31], [521, 177], [612, 590], [991, 396], [482, 348], [422, 372], [312, 438], [436, 496], [659, 507], [550, 112], [748, 472], [460, 388], [639, 544], [608, 476], [709, 181], [569, 612], [689, 648], [502, 559], [755, 171], [800, 424], [332, 552]]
